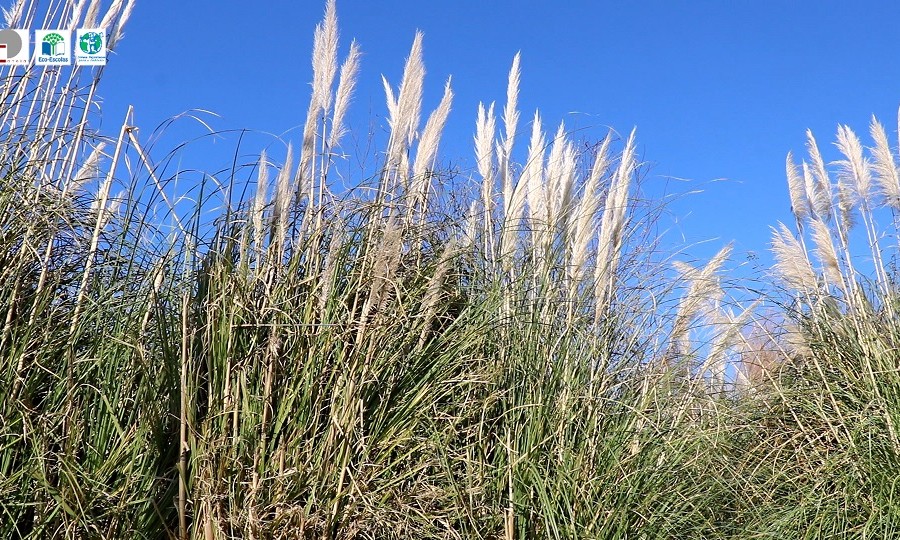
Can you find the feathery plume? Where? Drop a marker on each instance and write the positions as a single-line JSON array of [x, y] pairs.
[[510, 122], [388, 258], [428, 146], [346, 84], [795, 340], [390, 99], [404, 110], [791, 264], [728, 336], [533, 177], [626, 169], [567, 174], [115, 203], [799, 201], [431, 135], [116, 35], [259, 201], [87, 172], [884, 166], [75, 17], [409, 95], [821, 194], [432, 297], [583, 219], [93, 11], [106, 208], [825, 252], [485, 127], [283, 195], [846, 202], [619, 191], [512, 220], [325, 59], [385, 258], [612, 224], [760, 355], [559, 181], [111, 14], [510, 111], [324, 64], [820, 200], [13, 15], [855, 169], [704, 287]]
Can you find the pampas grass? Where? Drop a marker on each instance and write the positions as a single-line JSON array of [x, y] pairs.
[[791, 263], [509, 357], [884, 166], [800, 204]]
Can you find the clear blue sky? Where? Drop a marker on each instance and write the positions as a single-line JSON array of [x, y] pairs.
[[717, 90]]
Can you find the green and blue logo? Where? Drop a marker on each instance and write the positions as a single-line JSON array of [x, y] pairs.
[[52, 47], [91, 47], [90, 43]]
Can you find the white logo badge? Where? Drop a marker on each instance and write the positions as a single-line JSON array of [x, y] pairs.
[[52, 47], [14, 47], [90, 47]]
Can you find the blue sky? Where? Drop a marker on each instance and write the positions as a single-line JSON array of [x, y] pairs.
[[718, 91]]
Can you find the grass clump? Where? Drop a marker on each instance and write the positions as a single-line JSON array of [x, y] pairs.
[[507, 358]]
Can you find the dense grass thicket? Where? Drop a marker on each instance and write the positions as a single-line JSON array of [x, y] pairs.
[[512, 356]]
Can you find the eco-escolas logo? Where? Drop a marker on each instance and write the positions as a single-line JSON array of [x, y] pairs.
[[52, 47], [14, 47], [90, 47]]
